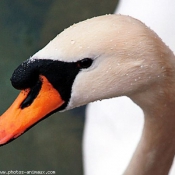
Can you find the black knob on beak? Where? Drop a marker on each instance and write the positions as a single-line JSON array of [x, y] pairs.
[[25, 76]]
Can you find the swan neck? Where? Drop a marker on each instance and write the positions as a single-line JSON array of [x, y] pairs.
[[155, 151]]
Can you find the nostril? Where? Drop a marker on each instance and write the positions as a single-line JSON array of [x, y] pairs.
[[25, 76]]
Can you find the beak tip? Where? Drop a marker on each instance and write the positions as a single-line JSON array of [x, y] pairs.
[[5, 137], [4, 140]]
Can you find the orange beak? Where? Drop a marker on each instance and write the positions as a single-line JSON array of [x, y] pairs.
[[16, 120]]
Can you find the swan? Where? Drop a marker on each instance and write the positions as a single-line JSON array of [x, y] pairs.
[[100, 58], [113, 127]]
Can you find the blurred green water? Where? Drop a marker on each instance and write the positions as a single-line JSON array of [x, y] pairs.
[[25, 27]]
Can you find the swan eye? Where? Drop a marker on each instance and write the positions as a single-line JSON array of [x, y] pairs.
[[84, 63]]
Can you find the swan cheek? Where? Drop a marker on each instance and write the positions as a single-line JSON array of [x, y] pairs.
[[18, 119]]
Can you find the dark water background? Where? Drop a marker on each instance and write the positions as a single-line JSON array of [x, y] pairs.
[[25, 27]]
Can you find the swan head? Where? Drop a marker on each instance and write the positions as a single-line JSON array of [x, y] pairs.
[[100, 58], [126, 56]]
